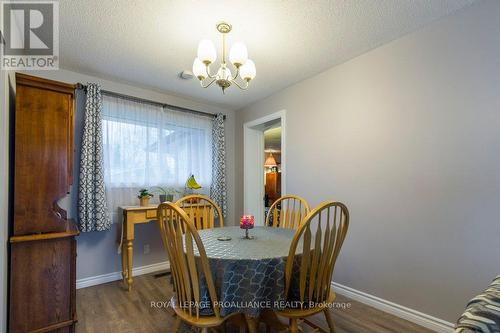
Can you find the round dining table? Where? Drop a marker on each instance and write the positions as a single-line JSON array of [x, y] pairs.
[[249, 274]]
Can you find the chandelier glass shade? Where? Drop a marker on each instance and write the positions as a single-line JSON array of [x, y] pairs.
[[244, 68]]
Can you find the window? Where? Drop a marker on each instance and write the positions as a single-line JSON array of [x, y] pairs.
[[146, 145]]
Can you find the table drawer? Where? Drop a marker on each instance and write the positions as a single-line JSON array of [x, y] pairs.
[[151, 214]]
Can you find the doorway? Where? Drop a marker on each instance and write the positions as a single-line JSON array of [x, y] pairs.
[[255, 156]]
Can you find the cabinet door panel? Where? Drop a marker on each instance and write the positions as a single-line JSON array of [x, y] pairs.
[[43, 145], [41, 283]]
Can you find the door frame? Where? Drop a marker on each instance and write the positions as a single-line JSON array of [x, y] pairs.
[[253, 163]]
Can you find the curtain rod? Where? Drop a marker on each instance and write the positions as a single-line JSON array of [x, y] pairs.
[[147, 101]]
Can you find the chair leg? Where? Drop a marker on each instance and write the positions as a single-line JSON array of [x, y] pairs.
[[294, 328], [329, 320], [252, 324], [177, 324]]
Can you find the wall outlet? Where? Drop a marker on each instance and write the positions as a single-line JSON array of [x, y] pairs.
[[146, 249]]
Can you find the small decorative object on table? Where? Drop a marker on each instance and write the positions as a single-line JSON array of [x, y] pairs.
[[191, 185], [144, 197], [246, 222]]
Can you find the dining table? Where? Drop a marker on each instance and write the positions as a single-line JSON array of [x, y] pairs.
[[248, 274]]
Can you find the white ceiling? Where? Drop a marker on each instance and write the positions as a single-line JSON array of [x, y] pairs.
[[148, 43], [272, 139]]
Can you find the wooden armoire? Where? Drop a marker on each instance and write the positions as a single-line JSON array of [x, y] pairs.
[[42, 262]]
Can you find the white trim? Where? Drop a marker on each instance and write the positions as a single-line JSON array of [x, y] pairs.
[[4, 190], [422, 319], [281, 115], [105, 278], [253, 181]]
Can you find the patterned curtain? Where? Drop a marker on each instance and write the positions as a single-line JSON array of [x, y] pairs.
[[92, 208], [218, 190]]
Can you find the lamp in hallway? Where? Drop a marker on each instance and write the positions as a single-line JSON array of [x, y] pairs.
[[270, 161]]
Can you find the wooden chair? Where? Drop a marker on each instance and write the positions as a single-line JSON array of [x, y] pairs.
[[313, 268], [181, 240], [293, 211], [202, 210]]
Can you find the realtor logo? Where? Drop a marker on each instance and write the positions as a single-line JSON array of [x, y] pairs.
[[30, 35]]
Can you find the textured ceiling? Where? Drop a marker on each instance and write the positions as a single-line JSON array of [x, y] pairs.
[[148, 43]]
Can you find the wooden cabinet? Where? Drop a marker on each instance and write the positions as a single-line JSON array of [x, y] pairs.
[[42, 293], [273, 186], [43, 154], [42, 243]]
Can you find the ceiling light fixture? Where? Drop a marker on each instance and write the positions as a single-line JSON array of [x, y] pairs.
[[238, 56]]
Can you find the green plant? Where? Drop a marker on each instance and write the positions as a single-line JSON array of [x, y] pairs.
[[166, 190], [144, 193]]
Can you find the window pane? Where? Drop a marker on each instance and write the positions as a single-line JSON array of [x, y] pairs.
[[146, 146]]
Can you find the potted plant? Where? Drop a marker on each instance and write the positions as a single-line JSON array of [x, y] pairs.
[[144, 197], [166, 193]]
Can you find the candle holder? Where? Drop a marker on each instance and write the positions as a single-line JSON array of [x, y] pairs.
[[247, 223], [247, 236]]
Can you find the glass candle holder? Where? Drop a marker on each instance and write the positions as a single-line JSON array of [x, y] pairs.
[[247, 222]]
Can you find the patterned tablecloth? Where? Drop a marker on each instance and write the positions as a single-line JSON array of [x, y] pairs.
[[248, 274]]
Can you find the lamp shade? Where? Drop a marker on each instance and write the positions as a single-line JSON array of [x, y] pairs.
[[248, 71], [270, 161], [238, 54], [199, 69], [206, 51]]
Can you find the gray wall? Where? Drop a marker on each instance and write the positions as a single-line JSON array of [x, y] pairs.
[[97, 251], [408, 136]]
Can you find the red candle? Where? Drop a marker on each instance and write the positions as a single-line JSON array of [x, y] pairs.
[[246, 222]]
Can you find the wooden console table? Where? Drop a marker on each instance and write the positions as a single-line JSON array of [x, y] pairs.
[[133, 215]]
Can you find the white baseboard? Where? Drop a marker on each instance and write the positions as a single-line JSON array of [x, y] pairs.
[[422, 319], [105, 278]]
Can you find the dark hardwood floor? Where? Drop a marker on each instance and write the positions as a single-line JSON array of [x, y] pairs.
[[110, 308]]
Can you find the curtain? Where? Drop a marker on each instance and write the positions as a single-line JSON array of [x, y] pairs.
[[218, 191], [92, 208], [146, 146]]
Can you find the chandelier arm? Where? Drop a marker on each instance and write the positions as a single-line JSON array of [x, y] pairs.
[[207, 67], [209, 84], [241, 87], [237, 73]]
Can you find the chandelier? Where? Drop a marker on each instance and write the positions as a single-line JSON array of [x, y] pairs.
[[238, 57]]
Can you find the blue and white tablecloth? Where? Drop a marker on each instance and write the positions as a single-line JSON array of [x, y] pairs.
[[248, 274]]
